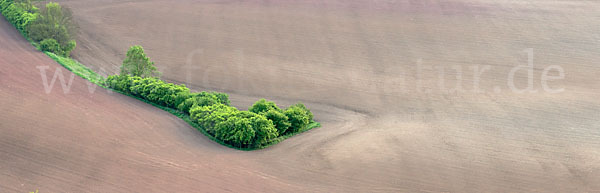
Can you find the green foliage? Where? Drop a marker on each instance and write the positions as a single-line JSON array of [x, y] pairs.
[[264, 129], [236, 130], [299, 117], [150, 88], [279, 119], [68, 48], [50, 45], [262, 106], [209, 116], [303, 107], [272, 112], [19, 13], [77, 68], [241, 129], [54, 22], [201, 99], [137, 64], [212, 113]]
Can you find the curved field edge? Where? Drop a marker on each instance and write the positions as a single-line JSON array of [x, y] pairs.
[[86, 73], [188, 120]]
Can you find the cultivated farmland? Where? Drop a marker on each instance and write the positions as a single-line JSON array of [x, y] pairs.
[[372, 73]]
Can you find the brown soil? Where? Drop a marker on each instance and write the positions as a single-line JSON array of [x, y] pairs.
[[353, 62]]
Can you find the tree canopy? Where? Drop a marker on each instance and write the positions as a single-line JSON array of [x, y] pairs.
[[136, 63], [54, 22]]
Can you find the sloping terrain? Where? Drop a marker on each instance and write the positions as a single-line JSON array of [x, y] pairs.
[[386, 127]]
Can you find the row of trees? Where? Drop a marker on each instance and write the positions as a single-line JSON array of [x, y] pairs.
[[259, 126], [52, 27]]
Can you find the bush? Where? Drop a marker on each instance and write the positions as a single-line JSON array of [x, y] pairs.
[[236, 131], [51, 45], [303, 107], [245, 129], [262, 106], [299, 117], [68, 48], [202, 99], [209, 116], [272, 112], [264, 129], [279, 119]]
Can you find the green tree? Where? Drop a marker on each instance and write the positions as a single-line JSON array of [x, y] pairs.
[[137, 64], [57, 23]]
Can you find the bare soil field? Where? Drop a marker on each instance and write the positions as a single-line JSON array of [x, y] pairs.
[[369, 70]]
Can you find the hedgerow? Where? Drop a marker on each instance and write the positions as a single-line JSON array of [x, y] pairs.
[[152, 89], [262, 125]]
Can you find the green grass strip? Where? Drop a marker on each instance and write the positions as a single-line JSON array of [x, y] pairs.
[[77, 68]]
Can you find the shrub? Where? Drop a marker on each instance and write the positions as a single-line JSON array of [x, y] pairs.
[[120, 83], [209, 116], [262, 106], [279, 119], [137, 64], [202, 99], [237, 131], [272, 112], [238, 128], [51, 45], [246, 129], [299, 118], [68, 48], [264, 129], [303, 107]]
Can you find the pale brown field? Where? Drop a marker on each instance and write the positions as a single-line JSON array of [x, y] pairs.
[[354, 63]]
